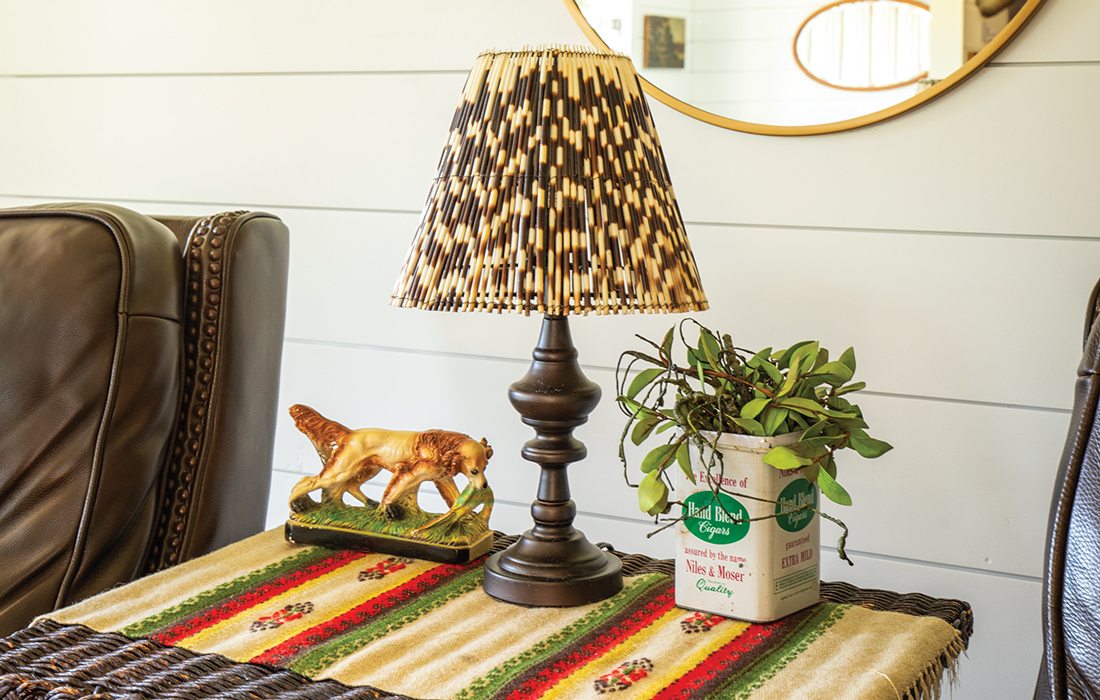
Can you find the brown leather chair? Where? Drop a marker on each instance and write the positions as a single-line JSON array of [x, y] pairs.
[[139, 366], [1071, 581]]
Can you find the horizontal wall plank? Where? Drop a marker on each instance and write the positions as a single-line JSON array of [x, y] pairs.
[[281, 484], [1004, 651], [740, 57], [269, 140], [918, 171], [943, 316], [207, 36], [777, 22], [787, 83], [966, 485], [352, 141], [785, 96], [930, 315]]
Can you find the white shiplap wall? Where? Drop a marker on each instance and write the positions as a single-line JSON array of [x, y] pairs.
[[954, 247]]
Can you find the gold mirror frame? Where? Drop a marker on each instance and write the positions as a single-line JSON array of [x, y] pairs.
[[922, 98]]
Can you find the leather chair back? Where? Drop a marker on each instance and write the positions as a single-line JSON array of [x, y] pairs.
[[138, 388], [1071, 582]]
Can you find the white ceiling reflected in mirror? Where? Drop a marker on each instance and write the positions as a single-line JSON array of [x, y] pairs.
[[801, 66]]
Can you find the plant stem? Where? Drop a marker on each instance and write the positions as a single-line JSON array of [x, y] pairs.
[[722, 375]]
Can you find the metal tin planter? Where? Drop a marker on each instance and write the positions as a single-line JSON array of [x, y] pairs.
[[731, 559]]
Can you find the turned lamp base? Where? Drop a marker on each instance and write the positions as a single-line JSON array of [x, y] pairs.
[[553, 564], [553, 573]]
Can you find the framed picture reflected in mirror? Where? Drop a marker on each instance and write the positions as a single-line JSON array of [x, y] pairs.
[[665, 40]]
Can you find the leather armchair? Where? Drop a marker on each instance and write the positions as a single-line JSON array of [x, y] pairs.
[[139, 365], [1071, 581]]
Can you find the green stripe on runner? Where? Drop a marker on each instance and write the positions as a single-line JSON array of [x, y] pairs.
[[324, 655], [223, 591], [749, 680], [490, 685]]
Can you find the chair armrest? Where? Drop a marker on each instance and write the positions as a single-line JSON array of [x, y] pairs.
[[216, 483]]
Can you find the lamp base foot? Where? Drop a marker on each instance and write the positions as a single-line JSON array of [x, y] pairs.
[[562, 573]]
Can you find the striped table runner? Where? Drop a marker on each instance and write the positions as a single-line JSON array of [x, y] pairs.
[[427, 630]]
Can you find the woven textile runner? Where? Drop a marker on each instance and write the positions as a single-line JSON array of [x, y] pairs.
[[427, 630]]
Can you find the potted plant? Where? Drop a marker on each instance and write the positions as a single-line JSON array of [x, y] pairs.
[[750, 438]]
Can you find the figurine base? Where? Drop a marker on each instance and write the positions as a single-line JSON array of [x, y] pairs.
[[333, 537]]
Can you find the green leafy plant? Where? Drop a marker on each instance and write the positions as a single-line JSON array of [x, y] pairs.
[[720, 388]]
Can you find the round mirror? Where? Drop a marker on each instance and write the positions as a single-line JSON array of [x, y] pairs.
[[790, 67]]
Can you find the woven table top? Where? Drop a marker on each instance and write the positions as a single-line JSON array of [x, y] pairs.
[[265, 618]]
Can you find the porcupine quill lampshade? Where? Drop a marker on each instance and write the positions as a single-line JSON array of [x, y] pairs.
[[552, 196]]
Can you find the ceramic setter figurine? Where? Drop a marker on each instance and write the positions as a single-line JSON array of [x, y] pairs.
[[353, 457]]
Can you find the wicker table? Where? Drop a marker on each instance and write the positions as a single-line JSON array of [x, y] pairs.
[[263, 618]]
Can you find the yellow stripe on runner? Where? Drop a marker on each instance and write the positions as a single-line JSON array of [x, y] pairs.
[[331, 594], [571, 686], [717, 637]]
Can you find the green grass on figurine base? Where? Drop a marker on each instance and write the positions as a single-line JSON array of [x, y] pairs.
[[454, 538]]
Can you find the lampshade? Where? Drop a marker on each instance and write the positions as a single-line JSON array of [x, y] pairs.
[[552, 195]]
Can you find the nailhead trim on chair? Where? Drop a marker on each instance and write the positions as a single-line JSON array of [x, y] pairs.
[[201, 320]]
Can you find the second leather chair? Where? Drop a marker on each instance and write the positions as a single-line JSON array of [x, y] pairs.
[[139, 365]]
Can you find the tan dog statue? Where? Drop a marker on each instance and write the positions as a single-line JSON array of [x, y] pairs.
[[353, 457]]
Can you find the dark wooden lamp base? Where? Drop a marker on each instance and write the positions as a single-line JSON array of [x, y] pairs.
[[553, 564]]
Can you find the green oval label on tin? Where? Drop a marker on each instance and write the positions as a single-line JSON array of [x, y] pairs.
[[721, 520], [792, 509]]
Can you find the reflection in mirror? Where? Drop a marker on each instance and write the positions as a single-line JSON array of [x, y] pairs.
[[865, 44], [796, 62]]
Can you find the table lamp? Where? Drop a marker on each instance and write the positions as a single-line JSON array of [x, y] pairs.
[[552, 196]]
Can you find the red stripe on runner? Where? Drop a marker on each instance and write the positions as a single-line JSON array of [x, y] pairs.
[[687, 685], [253, 597], [551, 675], [279, 654]]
